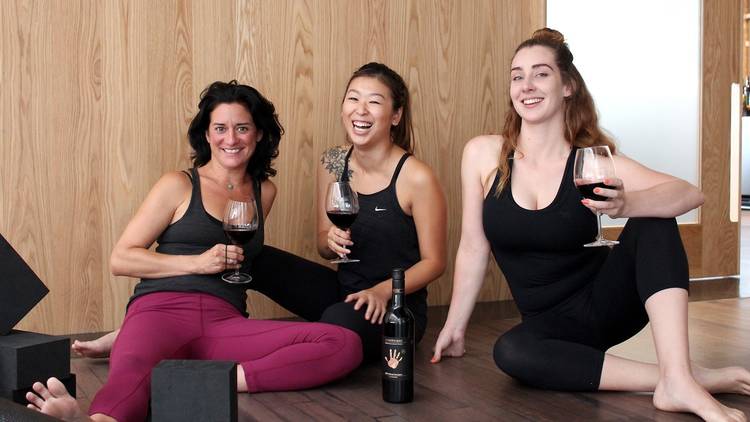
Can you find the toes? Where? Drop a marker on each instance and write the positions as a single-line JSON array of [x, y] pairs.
[[35, 401], [41, 390], [56, 387]]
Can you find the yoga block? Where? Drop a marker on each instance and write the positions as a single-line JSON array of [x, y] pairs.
[[196, 390], [20, 288], [26, 357], [19, 395], [13, 412]]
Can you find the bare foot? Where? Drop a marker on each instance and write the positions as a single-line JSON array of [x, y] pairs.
[[54, 400], [98, 348], [686, 395], [732, 379]]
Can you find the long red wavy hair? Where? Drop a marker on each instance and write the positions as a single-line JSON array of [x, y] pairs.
[[580, 117]]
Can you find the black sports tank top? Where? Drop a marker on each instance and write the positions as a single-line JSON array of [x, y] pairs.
[[384, 238], [541, 252], [196, 232]]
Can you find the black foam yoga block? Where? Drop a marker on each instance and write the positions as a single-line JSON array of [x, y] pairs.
[[20, 288], [14, 412], [196, 390], [19, 395], [26, 357]]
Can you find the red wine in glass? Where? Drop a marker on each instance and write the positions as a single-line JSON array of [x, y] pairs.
[[240, 224], [587, 190], [239, 235], [592, 166], [342, 220], [342, 208]]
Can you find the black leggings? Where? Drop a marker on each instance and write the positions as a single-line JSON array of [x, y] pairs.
[[312, 291], [563, 348]]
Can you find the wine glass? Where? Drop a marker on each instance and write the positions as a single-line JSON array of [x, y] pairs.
[[240, 224], [342, 208], [592, 166]]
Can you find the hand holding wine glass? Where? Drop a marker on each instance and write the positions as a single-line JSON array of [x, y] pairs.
[[592, 167], [342, 208], [240, 224]]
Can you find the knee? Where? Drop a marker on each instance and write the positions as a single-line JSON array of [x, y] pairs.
[[511, 354], [132, 362], [346, 348]]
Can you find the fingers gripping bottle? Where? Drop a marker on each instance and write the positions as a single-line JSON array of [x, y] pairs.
[[398, 346]]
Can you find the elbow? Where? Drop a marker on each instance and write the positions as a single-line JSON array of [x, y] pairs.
[[694, 199], [700, 199], [116, 263], [440, 266], [437, 268]]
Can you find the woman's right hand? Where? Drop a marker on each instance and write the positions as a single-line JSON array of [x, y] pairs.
[[338, 240], [449, 344], [219, 258]]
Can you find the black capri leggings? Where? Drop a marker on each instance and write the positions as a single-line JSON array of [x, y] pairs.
[[312, 292], [563, 348]]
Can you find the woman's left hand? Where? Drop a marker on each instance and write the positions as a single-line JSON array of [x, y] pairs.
[[615, 204], [375, 304]]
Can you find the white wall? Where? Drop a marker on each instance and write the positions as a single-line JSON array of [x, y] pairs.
[[641, 61]]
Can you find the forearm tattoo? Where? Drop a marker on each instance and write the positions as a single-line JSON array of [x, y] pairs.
[[333, 161]]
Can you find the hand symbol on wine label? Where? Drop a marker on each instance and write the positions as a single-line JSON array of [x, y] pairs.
[[394, 360]]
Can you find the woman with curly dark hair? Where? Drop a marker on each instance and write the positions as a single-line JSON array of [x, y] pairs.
[[182, 309]]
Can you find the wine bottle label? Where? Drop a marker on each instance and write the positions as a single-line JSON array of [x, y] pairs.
[[397, 358]]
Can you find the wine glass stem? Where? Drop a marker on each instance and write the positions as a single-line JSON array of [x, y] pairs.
[[599, 226]]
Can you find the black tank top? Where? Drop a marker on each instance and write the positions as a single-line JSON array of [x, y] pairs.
[[541, 252], [196, 232], [385, 238]]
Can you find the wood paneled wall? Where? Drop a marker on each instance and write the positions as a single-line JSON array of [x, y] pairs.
[[96, 97]]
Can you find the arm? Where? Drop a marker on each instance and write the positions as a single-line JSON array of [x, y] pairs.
[[473, 250], [421, 192], [642, 192], [131, 255]]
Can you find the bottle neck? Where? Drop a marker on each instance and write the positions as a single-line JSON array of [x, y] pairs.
[[398, 298]]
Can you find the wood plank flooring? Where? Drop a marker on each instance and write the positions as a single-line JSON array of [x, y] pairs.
[[473, 389]]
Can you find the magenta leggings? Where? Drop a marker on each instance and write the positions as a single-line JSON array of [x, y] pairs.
[[276, 355]]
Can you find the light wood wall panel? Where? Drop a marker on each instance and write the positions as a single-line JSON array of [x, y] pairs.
[[97, 96]]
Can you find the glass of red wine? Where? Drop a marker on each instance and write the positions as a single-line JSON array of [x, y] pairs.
[[342, 208], [592, 166], [240, 224]]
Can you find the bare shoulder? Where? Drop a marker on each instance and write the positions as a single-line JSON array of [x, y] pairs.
[[419, 174], [484, 147], [170, 190], [175, 182], [333, 160], [268, 188]]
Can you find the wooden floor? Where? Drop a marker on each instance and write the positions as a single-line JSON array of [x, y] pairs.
[[473, 389]]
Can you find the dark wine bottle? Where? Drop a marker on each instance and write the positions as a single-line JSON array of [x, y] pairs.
[[398, 346]]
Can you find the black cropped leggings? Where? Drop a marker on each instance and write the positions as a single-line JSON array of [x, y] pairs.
[[563, 348], [312, 292]]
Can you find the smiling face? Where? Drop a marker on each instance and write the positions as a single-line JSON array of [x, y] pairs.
[[536, 86], [232, 135], [367, 111]]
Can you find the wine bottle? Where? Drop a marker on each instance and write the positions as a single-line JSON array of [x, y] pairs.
[[398, 346]]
